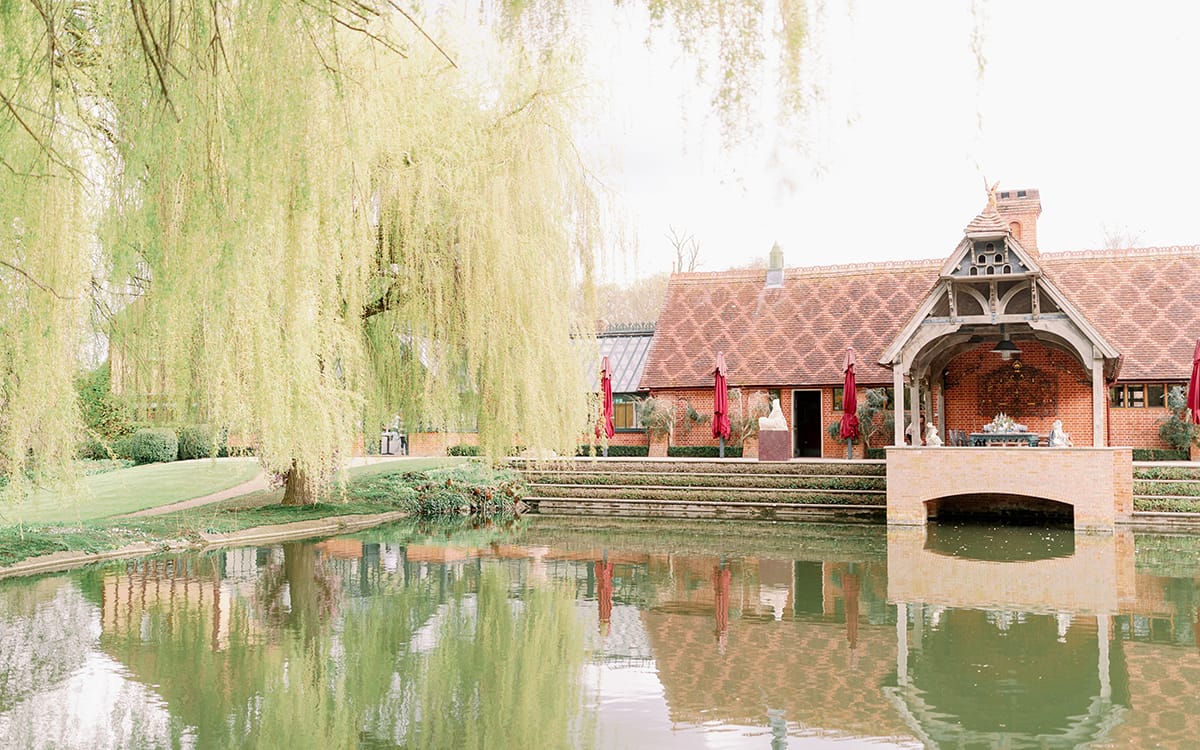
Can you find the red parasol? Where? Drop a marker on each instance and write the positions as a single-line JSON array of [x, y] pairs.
[[606, 390], [849, 429], [720, 423], [1193, 393]]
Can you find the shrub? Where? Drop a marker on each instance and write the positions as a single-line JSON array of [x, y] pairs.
[[1159, 454], [149, 446], [702, 451], [879, 453], [105, 414], [196, 441], [463, 450], [1176, 429]]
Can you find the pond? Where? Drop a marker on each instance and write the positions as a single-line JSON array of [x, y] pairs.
[[607, 634]]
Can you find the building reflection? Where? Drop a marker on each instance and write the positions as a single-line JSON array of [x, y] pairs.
[[935, 638]]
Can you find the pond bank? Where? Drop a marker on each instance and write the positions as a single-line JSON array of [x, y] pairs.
[[339, 524]]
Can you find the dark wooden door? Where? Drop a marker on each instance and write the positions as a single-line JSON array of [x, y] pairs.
[[806, 424]]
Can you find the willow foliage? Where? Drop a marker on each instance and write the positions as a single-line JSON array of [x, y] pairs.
[[313, 217]]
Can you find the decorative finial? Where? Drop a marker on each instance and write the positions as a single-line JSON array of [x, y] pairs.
[[991, 193]]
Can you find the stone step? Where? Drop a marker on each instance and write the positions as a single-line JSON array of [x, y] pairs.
[[706, 509], [824, 467], [670, 479], [712, 494]]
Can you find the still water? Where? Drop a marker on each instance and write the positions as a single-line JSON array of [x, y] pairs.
[[558, 634]]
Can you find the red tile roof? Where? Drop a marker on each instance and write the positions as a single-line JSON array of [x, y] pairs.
[[1146, 302]]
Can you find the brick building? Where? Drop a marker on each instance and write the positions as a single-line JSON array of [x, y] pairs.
[[1094, 338]]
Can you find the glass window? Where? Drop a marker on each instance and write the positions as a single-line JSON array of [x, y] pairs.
[[1135, 396], [625, 413], [1116, 396], [1156, 395], [838, 393]]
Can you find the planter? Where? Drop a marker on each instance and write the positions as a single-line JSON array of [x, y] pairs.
[[1194, 452], [750, 447], [658, 445]]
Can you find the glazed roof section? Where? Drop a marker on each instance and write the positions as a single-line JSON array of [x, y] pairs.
[[627, 349], [1146, 302]]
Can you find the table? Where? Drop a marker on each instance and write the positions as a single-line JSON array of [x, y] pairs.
[[1004, 438]]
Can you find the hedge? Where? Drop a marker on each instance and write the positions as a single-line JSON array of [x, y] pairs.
[[702, 451], [149, 446], [1159, 454], [615, 451], [463, 450]]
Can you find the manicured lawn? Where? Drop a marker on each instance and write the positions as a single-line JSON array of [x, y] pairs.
[[127, 490], [113, 493]]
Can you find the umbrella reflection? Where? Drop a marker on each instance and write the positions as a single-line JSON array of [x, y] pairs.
[[604, 591], [721, 581], [850, 586]]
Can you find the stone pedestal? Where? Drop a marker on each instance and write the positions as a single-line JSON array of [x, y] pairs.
[[774, 445]]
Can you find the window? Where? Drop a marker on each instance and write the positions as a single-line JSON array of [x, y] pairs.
[[1139, 395], [838, 394], [625, 412]]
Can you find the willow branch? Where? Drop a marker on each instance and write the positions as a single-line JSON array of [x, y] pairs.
[[413, 21], [44, 287]]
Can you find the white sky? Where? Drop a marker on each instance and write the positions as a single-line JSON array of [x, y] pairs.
[[1093, 103]]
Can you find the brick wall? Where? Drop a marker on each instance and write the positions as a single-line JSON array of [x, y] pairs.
[[1072, 385], [1137, 428], [436, 443]]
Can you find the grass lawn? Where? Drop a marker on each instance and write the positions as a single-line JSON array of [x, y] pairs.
[[369, 490], [113, 493], [127, 490]]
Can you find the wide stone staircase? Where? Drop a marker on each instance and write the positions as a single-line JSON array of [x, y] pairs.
[[817, 489]]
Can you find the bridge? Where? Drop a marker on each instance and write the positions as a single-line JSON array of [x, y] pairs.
[[1094, 486]]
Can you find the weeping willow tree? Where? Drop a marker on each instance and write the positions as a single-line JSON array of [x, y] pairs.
[[312, 215]]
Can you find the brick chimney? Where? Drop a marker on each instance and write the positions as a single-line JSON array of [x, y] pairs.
[[1021, 209]]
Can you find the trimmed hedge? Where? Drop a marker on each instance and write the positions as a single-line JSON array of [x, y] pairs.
[[1159, 454], [463, 450], [702, 451], [150, 446], [615, 451]]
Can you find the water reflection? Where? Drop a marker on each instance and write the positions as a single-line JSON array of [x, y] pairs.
[[616, 635]]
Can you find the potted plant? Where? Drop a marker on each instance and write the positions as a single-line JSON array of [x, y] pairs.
[[1176, 429], [657, 415], [874, 403]]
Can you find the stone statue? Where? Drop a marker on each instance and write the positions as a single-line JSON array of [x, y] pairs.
[[931, 435], [1058, 438], [774, 420]]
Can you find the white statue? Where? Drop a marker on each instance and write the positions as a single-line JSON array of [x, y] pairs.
[[774, 420], [931, 435], [1058, 438]]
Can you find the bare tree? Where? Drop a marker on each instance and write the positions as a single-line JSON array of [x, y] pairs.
[[687, 250], [1120, 237]]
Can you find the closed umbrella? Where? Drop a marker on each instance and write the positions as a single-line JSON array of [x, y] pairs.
[[606, 391], [720, 423], [1193, 394], [849, 429]]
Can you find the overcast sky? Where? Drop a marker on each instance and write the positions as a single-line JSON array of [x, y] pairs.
[[1093, 103]]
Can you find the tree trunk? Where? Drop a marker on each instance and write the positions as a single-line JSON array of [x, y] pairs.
[[298, 489]]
